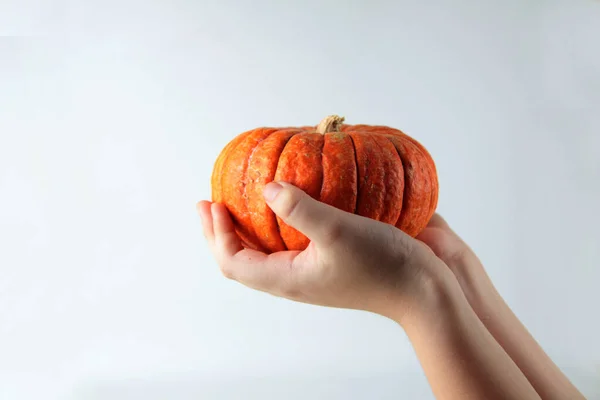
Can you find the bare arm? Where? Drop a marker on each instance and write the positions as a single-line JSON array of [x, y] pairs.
[[359, 263], [459, 356], [497, 317]]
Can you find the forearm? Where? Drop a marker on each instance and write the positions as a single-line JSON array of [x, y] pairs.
[[459, 356], [509, 332]]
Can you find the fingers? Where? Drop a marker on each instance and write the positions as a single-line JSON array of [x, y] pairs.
[[437, 221], [275, 273], [320, 222], [203, 209], [445, 243], [226, 242], [218, 228]]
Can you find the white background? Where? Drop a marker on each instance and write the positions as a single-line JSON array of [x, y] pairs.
[[112, 114]]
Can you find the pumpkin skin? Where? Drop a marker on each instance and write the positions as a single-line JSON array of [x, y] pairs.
[[374, 171]]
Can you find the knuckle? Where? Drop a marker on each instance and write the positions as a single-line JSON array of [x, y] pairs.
[[457, 255], [401, 243]]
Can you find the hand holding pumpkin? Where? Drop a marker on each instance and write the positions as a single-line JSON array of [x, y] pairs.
[[328, 215], [340, 232], [352, 261]]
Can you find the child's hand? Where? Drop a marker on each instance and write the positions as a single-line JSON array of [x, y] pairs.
[[351, 262]]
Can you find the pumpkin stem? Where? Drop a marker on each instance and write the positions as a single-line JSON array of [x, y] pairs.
[[332, 123]]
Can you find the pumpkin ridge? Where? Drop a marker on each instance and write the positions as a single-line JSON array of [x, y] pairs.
[[220, 177], [277, 169], [432, 175], [217, 176], [261, 215], [246, 231], [404, 172], [431, 167], [245, 178], [434, 179], [299, 165], [357, 166], [339, 172], [384, 175], [393, 179], [370, 165], [322, 168], [417, 213]]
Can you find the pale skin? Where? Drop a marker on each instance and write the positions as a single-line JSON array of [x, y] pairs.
[[468, 341]]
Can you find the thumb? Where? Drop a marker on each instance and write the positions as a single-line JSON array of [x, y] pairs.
[[318, 221]]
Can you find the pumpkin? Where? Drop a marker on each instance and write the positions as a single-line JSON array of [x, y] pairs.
[[374, 171]]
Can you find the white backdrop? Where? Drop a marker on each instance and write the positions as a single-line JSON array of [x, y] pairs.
[[112, 113]]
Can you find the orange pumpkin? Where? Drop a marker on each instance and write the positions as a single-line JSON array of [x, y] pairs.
[[374, 171]]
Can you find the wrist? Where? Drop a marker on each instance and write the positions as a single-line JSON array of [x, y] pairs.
[[442, 307], [459, 355], [473, 279], [436, 290]]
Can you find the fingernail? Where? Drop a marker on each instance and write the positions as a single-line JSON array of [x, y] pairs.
[[271, 191]]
